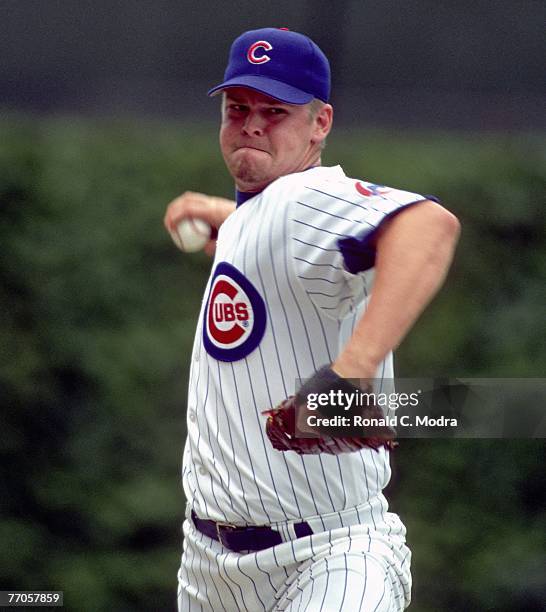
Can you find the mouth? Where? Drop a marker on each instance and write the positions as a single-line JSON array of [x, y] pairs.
[[251, 148]]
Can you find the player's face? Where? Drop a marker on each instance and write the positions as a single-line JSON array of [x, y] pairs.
[[262, 139]]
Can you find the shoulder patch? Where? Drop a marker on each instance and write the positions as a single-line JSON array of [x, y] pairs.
[[235, 317], [370, 190]]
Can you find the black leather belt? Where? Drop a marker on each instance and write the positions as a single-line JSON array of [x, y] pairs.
[[249, 538]]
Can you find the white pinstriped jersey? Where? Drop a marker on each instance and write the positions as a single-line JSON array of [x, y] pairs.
[[280, 303]]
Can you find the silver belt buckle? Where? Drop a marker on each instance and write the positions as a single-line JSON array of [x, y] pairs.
[[218, 533]]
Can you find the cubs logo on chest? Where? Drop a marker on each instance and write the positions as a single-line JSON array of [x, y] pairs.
[[234, 319]]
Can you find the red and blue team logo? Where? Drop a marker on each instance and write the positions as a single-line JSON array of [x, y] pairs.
[[255, 53], [370, 190], [235, 317]]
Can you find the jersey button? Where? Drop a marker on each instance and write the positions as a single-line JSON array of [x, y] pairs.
[[192, 416], [196, 356], [202, 471]]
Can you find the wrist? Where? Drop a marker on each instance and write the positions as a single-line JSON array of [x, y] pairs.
[[346, 366]]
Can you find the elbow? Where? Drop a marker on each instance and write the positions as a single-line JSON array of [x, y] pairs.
[[444, 223], [426, 225], [451, 225]]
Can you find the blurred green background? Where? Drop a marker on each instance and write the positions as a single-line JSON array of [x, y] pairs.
[[98, 316]]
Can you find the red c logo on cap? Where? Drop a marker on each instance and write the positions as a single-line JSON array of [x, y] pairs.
[[251, 53]]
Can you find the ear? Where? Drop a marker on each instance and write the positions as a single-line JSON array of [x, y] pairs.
[[323, 123]]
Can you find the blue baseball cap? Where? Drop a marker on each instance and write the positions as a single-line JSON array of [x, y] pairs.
[[282, 64]]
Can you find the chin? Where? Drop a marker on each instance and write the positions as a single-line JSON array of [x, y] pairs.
[[249, 175]]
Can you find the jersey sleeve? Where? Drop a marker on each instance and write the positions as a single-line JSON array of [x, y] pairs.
[[331, 228], [357, 250]]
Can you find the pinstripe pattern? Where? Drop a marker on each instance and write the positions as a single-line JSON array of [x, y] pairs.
[[284, 242], [342, 569]]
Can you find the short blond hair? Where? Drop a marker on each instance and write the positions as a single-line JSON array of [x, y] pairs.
[[314, 107]]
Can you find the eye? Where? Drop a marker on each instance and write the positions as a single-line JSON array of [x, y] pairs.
[[276, 110]]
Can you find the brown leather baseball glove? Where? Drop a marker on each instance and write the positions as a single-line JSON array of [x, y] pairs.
[[334, 437]]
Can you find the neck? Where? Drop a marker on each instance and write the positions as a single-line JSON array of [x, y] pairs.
[[242, 194], [251, 188]]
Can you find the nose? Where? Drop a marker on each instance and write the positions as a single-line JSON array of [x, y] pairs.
[[253, 125]]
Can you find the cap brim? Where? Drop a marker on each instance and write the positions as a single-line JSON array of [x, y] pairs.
[[269, 87]]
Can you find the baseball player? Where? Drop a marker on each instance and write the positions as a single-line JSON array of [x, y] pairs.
[[316, 278]]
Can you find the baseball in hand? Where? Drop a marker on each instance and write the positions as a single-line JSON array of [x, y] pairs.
[[192, 235]]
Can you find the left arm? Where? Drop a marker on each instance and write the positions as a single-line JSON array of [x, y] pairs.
[[413, 253]]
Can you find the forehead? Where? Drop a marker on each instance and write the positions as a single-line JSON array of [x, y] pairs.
[[251, 96]]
